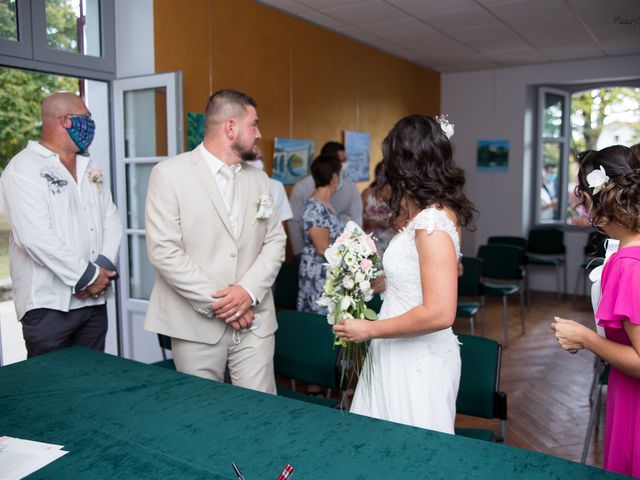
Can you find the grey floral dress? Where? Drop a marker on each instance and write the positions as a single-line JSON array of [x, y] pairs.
[[312, 270]]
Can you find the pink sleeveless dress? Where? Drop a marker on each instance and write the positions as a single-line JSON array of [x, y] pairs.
[[621, 302]]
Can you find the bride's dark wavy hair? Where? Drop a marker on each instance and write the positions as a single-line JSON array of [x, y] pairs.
[[418, 163]]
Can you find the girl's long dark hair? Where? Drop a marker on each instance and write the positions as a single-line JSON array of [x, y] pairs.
[[418, 164]]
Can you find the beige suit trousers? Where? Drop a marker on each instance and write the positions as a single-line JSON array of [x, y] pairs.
[[250, 361]]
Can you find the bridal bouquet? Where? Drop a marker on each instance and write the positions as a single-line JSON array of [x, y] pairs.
[[351, 261]]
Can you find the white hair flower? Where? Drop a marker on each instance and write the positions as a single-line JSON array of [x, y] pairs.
[[445, 125], [597, 180]]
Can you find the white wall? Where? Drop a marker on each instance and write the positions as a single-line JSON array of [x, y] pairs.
[[134, 38], [498, 104], [134, 57]]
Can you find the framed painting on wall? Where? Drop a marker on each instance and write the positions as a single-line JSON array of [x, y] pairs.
[[493, 156], [291, 159], [195, 129], [358, 149]]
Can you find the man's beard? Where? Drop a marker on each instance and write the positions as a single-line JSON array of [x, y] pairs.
[[245, 154]]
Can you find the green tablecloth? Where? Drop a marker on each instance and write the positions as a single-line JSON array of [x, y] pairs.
[[125, 420]]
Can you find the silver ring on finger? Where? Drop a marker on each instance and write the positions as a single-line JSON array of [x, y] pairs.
[[237, 314]]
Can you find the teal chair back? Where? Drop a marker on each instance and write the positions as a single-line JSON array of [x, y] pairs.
[[546, 241], [304, 348], [469, 282], [507, 240], [480, 376], [502, 262], [375, 303], [286, 287]]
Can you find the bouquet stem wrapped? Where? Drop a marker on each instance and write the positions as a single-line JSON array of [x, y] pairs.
[[351, 261]]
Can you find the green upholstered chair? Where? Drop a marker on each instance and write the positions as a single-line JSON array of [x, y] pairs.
[[469, 286], [165, 344], [479, 393], [594, 254], [304, 351], [502, 275], [515, 242], [286, 287], [375, 303], [545, 248], [508, 240]]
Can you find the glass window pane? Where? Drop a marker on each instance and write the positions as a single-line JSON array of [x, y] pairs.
[[145, 122], [8, 20], [141, 274], [552, 116], [137, 184], [74, 26], [550, 182]]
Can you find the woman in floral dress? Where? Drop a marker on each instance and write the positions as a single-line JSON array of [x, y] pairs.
[[320, 227]]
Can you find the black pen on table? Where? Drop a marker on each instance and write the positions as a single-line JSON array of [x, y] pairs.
[[237, 470]]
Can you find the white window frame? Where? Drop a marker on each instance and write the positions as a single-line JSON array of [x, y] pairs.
[[564, 139], [31, 51]]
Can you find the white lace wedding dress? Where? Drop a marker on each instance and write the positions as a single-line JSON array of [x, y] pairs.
[[411, 380]]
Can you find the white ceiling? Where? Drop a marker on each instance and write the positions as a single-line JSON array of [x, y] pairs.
[[464, 35]]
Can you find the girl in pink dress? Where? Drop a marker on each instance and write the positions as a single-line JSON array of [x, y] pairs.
[[609, 187]]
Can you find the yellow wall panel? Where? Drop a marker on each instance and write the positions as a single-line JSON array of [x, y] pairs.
[[250, 53], [324, 86], [181, 43], [309, 82]]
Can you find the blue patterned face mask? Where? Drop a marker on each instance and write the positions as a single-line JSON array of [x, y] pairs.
[[82, 131]]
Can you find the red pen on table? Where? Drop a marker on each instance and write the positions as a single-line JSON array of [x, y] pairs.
[[286, 473]]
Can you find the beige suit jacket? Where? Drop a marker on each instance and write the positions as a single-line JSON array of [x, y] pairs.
[[191, 245]]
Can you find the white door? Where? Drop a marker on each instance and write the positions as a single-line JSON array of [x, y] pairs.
[[147, 121]]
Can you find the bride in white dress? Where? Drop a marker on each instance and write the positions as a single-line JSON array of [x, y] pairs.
[[412, 370]]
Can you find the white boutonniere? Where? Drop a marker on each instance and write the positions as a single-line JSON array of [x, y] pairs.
[[264, 207], [95, 176], [597, 180]]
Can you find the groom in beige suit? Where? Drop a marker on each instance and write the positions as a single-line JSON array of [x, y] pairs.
[[217, 245]]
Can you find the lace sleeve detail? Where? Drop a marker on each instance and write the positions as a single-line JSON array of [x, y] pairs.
[[431, 219]]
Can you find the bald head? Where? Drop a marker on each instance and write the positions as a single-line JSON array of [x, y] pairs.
[[62, 103]]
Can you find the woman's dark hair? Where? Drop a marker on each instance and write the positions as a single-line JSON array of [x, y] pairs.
[[323, 168], [332, 148], [418, 164], [377, 174], [619, 201]]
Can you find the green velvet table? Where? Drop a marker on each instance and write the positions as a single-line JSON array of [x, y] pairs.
[[125, 420]]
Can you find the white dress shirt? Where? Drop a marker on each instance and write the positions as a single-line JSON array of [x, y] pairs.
[[61, 230], [215, 164]]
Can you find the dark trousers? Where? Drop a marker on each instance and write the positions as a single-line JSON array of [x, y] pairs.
[[46, 330]]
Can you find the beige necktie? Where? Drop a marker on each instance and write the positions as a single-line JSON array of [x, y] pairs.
[[229, 195], [230, 188]]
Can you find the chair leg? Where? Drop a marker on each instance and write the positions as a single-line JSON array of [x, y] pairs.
[[503, 430], [598, 403], [482, 316], [564, 271], [526, 286], [505, 321], [575, 290], [595, 409], [472, 324], [558, 282], [522, 319]]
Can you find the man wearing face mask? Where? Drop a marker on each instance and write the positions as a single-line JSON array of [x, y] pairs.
[[65, 232], [346, 200], [278, 193], [548, 192]]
